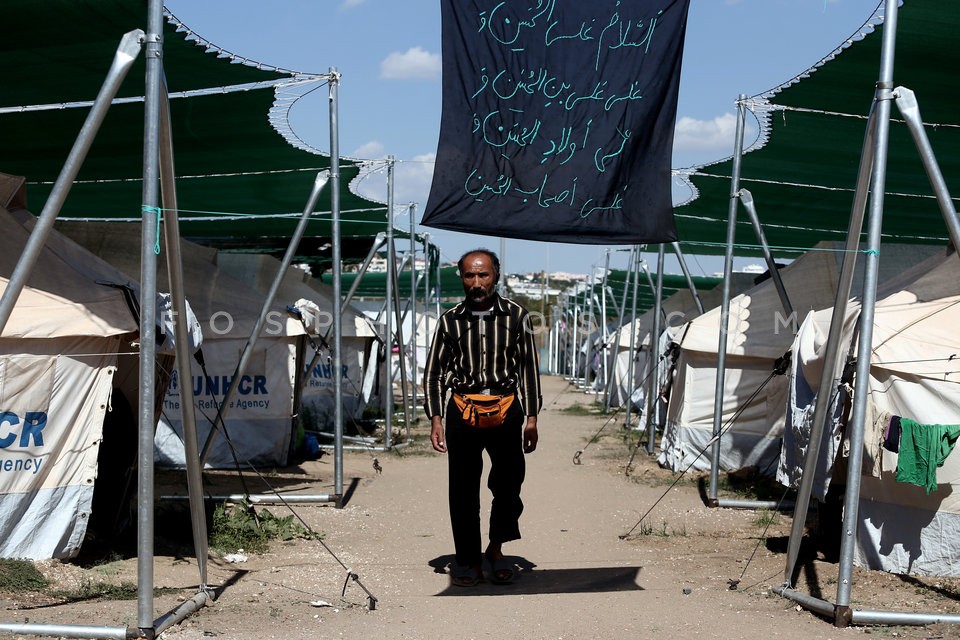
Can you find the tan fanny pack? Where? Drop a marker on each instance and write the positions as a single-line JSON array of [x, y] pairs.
[[482, 410]]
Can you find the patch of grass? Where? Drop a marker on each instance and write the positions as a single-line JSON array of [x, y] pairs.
[[238, 526], [21, 575], [766, 518], [663, 532], [577, 409]]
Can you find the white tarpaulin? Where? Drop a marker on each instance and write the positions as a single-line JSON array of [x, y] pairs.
[[914, 373], [58, 359], [759, 332]]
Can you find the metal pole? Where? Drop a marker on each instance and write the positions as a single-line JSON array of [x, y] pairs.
[[653, 386], [334, 98], [147, 421], [616, 341], [402, 362], [907, 104], [747, 199], [388, 309], [604, 353], [633, 335], [725, 304], [686, 274], [831, 358], [588, 356], [123, 60], [171, 235], [413, 315], [851, 499]]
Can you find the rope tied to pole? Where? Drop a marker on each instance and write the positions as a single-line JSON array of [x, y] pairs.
[[159, 213]]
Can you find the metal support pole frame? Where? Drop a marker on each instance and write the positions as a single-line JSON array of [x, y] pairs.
[[725, 304], [633, 335], [614, 356], [413, 314], [686, 274], [653, 352], [873, 164], [335, 256], [588, 354], [746, 198], [171, 235], [604, 356], [147, 423], [388, 310]]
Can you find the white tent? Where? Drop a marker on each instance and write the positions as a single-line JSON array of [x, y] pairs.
[[759, 332], [678, 309], [259, 425], [914, 373], [58, 367], [358, 339]]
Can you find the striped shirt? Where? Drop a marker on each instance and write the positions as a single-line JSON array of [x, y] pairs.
[[472, 352]]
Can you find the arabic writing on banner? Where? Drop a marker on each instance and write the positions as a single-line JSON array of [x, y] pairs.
[[558, 119]]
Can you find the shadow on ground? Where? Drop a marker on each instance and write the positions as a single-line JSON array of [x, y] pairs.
[[530, 580]]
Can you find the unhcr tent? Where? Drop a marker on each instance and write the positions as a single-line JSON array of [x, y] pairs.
[[914, 373], [259, 425], [759, 333], [678, 309], [315, 403], [59, 359]]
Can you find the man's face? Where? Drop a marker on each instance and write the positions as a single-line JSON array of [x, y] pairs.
[[479, 280]]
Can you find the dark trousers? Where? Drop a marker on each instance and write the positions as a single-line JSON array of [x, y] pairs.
[[465, 447]]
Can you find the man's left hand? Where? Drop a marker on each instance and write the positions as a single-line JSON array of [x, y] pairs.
[[530, 435]]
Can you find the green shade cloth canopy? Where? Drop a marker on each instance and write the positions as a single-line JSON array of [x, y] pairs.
[[802, 173], [243, 178]]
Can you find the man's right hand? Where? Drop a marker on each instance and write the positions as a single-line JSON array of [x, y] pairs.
[[436, 434]]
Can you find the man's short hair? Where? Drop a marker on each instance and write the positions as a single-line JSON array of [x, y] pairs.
[[490, 254]]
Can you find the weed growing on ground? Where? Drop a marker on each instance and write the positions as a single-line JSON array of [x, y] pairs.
[[238, 527], [21, 575], [766, 518], [577, 409]]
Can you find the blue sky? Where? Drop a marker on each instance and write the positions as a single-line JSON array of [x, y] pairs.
[[388, 52]]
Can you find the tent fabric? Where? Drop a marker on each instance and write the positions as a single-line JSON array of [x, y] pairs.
[[802, 171], [759, 332], [260, 422], [58, 364], [913, 373], [62, 297], [240, 181]]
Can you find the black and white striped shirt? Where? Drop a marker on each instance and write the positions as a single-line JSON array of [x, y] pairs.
[[473, 352]]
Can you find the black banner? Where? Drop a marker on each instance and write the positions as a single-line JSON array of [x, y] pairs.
[[558, 119]]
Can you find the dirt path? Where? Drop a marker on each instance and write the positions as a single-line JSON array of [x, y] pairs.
[[578, 578]]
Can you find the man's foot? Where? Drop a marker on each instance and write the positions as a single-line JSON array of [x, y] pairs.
[[466, 576], [502, 569]]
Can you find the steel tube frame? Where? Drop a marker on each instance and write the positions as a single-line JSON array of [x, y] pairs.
[[171, 235], [588, 354], [746, 199], [616, 341], [873, 163], [653, 358], [633, 335], [413, 315], [687, 276], [725, 304], [388, 310], [336, 258], [147, 422]]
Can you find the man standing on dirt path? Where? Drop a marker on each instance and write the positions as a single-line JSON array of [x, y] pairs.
[[484, 353]]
